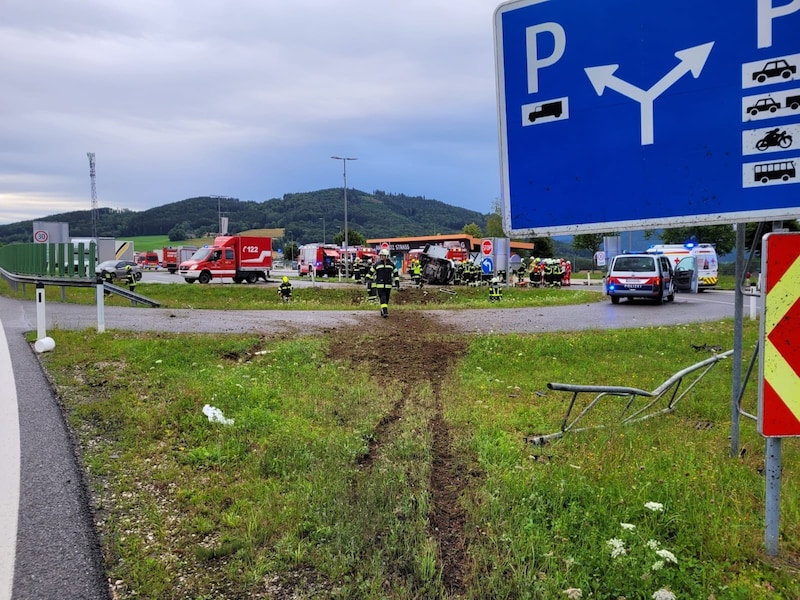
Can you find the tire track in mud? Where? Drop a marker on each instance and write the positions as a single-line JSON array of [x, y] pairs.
[[421, 351]]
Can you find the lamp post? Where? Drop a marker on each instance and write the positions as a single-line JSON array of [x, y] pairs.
[[323, 230], [344, 160]]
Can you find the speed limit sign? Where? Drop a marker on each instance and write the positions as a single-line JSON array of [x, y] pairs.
[[40, 236]]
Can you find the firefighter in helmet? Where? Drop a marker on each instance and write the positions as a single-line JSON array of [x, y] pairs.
[[382, 277], [495, 291], [416, 272], [130, 278], [285, 289]]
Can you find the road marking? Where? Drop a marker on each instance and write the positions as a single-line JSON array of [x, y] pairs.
[[9, 468]]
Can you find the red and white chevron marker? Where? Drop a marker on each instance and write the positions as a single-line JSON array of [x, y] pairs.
[[779, 385]]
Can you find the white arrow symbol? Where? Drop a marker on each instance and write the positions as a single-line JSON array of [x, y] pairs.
[[692, 60]]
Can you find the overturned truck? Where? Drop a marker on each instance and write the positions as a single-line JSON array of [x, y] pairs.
[[437, 269]]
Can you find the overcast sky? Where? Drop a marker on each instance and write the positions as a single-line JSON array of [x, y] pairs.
[[244, 98]]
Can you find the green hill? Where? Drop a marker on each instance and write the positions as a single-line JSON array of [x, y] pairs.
[[306, 217]]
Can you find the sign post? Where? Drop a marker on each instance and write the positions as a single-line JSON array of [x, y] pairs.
[[628, 115], [779, 363]]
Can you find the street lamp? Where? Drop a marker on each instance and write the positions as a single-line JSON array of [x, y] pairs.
[[344, 160]]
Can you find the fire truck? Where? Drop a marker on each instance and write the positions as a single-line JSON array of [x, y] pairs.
[[322, 259], [172, 257], [241, 258]]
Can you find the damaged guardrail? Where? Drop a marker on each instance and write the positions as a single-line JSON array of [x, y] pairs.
[[670, 392]]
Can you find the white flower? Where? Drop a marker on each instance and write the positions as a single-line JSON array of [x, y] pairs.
[[573, 593], [628, 526], [658, 565], [663, 594], [159, 361], [654, 506], [616, 546], [652, 544], [667, 555]]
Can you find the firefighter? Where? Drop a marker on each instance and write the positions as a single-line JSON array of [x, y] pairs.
[[285, 289], [384, 276], [416, 272], [107, 277], [130, 278], [372, 294], [567, 273], [495, 291], [358, 270]]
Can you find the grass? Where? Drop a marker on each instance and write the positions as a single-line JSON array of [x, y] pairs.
[[283, 500], [321, 297]]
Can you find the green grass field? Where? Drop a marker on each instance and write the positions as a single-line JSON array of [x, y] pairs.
[[324, 485]]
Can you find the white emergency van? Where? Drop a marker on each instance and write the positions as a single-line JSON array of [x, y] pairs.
[[705, 258]]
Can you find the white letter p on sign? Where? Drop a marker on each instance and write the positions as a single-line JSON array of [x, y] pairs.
[[532, 52]]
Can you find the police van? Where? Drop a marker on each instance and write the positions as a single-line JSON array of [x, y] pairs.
[[705, 261]]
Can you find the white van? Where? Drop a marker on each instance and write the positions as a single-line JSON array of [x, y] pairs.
[[640, 275], [706, 260]]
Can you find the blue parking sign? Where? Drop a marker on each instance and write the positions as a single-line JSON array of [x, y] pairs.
[[625, 115]]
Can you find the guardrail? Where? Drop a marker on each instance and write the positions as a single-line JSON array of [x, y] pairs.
[[64, 282]]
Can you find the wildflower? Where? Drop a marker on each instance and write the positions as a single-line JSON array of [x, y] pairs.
[[159, 361], [628, 526], [667, 556], [616, 546], [654, 506], [658, 565], [573, 593], [652, 544], [663, 594]]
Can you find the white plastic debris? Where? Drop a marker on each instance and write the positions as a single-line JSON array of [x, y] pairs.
[[215, 415]]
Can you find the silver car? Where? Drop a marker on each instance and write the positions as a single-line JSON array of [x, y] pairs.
[[117, 269]]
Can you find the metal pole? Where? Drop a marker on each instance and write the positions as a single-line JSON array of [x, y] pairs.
[[344, 160], [738, 324], [773, 499]]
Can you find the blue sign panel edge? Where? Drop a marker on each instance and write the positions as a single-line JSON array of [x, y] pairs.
[[510, 224]]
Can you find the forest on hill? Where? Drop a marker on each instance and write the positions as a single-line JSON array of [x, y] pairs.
[[306, 217]]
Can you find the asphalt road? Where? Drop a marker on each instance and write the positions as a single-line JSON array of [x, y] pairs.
[[56, 555]]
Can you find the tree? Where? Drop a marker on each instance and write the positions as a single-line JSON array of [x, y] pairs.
[[752, 228], [290, 250], [474, 230], [722, 236], [177, 234], [588, 241], [354, 238], [543, 247]]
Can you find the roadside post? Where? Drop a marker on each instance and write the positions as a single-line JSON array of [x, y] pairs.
[[779, 364], [100, 300]]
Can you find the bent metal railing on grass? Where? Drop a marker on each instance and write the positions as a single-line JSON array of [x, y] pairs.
[[670, 392], [65, 282]]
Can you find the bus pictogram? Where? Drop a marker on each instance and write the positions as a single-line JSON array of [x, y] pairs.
[[766, 172]]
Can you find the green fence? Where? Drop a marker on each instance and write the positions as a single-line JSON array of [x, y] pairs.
[[50, 260]]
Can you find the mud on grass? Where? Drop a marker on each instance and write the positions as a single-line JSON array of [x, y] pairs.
[[414, 352]]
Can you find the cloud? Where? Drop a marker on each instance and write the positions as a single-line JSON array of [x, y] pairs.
[[245, 98]]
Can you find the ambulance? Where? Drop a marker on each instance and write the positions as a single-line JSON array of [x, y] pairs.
[[705, 257]]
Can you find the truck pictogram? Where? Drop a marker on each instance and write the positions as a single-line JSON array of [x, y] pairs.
[[548, 109]]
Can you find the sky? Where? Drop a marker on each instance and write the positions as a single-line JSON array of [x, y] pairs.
[[246, 99]]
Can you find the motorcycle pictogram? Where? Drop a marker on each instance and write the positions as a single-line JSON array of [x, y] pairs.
[[774, 137]]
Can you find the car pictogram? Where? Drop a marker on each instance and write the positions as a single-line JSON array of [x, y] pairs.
[[775, 68], [762, 105]]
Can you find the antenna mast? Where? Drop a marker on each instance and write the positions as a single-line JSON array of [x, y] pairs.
[[94, 194]]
